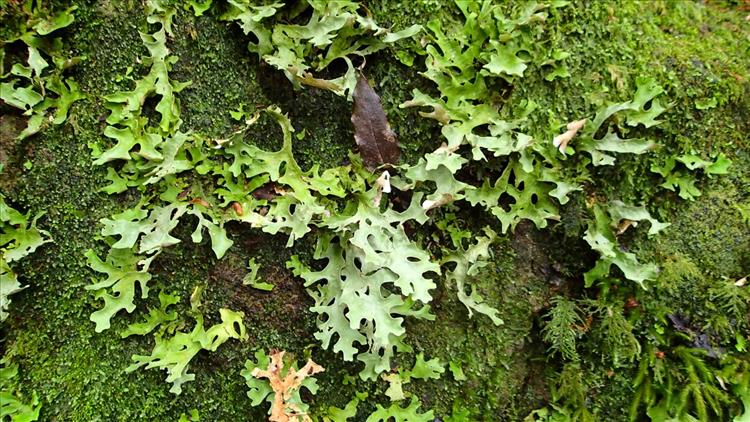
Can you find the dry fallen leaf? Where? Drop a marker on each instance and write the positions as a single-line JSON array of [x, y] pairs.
[[375, 139], [561, 141], [238, 208], [284, 388], [201, 202]]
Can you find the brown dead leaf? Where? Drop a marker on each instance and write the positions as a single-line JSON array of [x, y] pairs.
[[200, 201], [376, 141], [237, 207], [284, 388], [561, 141]]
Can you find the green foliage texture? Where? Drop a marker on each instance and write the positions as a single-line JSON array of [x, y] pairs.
[[539, 234]]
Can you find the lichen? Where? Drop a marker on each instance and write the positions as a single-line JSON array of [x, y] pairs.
[[698, 52]]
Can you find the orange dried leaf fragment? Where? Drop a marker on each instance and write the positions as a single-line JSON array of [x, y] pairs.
[[285, 382], [561, 141]]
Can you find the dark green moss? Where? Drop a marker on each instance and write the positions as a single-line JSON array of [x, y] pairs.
[[695, 51]]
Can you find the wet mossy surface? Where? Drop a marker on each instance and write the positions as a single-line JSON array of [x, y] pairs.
[[697, 51]]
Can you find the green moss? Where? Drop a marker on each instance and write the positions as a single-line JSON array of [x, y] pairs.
[[720, 244], [697, 52]]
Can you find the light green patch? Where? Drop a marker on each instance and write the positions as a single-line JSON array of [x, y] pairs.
[[334, 31], [155, 317], [174, 353], [39, 89], [507, 166], [602, 237], [349, 292], [251, 279], [396, 413], [681, 181], [469, 263], [19, 237], [13, 406], [335, 414], [706, 104]]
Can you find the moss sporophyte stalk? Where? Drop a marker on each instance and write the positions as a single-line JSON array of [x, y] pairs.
[[374, 193]]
